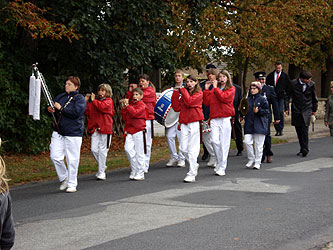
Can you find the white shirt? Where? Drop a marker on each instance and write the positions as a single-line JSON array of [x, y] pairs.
[[303, 85], [275, 76]]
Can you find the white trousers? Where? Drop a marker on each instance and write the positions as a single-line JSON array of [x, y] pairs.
[[134, 149], [171, 134], [254, 144], [149, 141], [69, 147], [100, 148], [190, 145], [207, 140], [220, 138]]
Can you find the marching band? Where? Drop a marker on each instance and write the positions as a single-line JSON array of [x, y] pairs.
[[180, 109]]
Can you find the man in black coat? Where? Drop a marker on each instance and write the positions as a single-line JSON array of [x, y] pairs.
[[238, 135], [304, 104], [269, 93], [280, 81]]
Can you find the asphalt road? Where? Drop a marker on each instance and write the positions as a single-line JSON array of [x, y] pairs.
[[287, 205]]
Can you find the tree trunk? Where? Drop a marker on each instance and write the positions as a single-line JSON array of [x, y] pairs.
[[327, 76], [245, 69]]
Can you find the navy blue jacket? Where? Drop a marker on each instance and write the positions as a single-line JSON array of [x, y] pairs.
[[205, 109], [257, 123], [237, 99], [269, 93], [71, 118]]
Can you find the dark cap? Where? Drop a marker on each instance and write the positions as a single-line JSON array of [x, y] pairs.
[[259, 74], [210, 66]]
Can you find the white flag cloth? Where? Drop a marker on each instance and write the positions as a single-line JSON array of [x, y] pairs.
[[32, 94], [36, 113]]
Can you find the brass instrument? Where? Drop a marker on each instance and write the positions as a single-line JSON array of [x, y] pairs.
[[244, 105]]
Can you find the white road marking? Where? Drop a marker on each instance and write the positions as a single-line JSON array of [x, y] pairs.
[[87, 226], [306, 166]]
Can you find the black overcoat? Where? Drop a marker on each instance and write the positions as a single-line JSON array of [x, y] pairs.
[[303, 103]]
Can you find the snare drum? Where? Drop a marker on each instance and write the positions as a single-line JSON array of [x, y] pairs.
[[164, 114]]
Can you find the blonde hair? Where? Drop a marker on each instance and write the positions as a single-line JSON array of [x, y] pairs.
[[228, 85], [331, 85], [178, 71], [4, 181], [107, 88]]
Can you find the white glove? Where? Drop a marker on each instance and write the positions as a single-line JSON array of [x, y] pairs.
[[313, 118]]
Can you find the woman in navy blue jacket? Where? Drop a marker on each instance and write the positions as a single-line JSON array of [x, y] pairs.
[[66, 138], [256, 125]]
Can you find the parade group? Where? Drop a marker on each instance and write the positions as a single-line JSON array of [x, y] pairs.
[[209, 111]]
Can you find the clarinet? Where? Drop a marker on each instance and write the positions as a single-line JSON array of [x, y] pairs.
[[45, 90]]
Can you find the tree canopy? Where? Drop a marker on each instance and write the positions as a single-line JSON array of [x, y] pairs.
[[105, 41]]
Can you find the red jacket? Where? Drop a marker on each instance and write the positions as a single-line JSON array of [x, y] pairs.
[[220, 102], [100, 115], [190, 107], [149, 98], [135, 116]]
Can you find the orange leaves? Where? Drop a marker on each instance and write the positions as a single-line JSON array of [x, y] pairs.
[[257, 29], [30, 17]]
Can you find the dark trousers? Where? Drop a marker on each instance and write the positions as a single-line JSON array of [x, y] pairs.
[[303, 137], [279, 127], [239, 135], [267, 146]]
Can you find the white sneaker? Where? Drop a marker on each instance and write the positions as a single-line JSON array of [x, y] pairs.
[[71, 190], [64, 184], [249, 164], [139, 177], [181, 164], [132, 174], [172, 162], [101, 176], [212, 162], [256, 166], [189, 178], [220, 172]]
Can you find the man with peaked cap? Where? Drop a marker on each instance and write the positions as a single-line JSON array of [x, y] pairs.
[[270, 95]]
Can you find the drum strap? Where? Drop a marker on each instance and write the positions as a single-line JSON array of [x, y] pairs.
[[144, 142], [152, 129]]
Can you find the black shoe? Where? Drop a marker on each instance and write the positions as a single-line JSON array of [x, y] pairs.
[[204, 157], [299, 153], [239, 153], [278, 133], [305, 152]]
